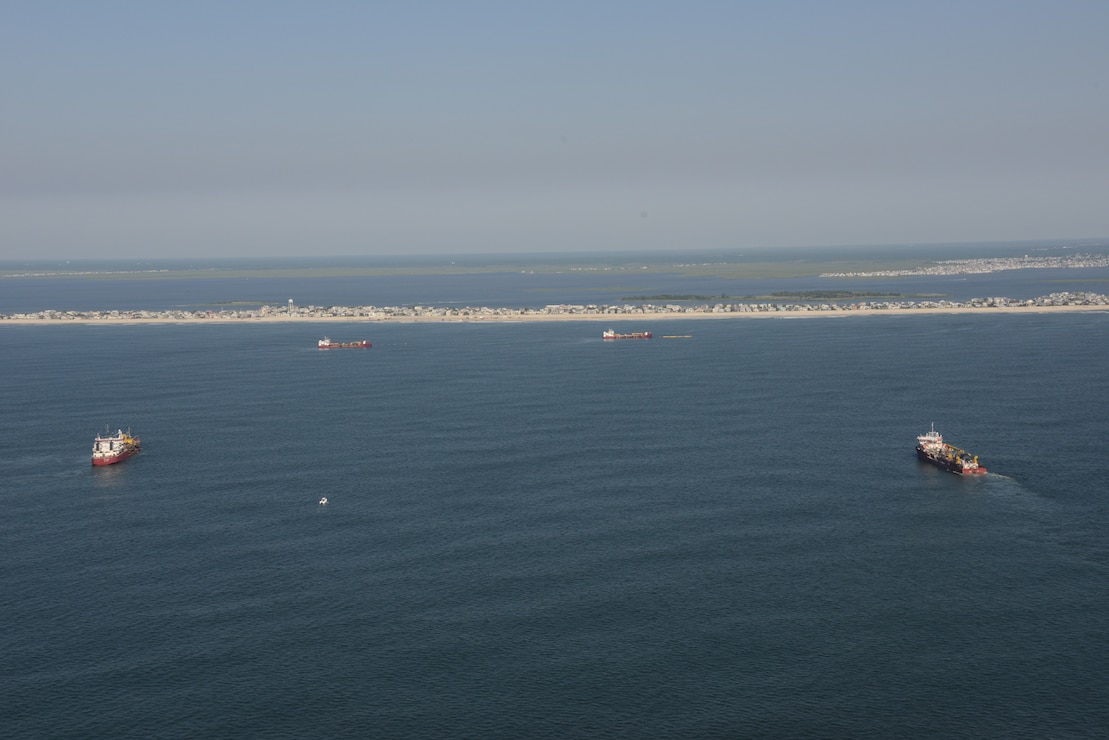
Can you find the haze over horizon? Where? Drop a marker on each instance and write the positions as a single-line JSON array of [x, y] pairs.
[[292, 129]]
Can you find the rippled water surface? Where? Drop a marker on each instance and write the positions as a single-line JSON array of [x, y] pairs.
[[532, 533]]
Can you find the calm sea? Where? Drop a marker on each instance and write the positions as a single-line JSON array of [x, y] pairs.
[[532, 533]]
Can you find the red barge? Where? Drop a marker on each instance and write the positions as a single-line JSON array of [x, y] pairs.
[[610, 334], [931, 448], [108, 450]]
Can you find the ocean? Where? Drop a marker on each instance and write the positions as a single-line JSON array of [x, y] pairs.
[[534, 533]]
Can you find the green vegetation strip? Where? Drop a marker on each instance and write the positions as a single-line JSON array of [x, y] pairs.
[[805, 295]]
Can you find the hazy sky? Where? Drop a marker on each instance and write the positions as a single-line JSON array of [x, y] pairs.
[[244, 128]]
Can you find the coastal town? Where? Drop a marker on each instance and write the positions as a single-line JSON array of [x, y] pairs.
[[292, 312], [981, 266]]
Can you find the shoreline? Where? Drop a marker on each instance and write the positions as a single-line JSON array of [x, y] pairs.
[[540, 318]]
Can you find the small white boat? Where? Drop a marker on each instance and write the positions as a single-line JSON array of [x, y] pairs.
[[323, 501]]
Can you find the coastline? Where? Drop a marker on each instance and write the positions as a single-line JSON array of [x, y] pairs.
[[502, 318]]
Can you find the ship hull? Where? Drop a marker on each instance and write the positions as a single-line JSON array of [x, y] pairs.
[[951, 466], [344, 345], [113, 459]]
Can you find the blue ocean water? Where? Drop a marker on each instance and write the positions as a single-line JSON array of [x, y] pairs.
[[533, 533]]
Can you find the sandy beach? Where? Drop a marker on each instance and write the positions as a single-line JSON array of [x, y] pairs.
[[639, 318]]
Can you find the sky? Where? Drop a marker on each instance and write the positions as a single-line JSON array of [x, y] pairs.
[[243, 128]]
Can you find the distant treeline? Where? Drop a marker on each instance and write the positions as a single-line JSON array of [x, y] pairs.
[[673, 297], [831, 295], [804, 295]]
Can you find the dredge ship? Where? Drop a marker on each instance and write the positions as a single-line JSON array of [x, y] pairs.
[[326, 343], [107, 450], [610, 334], [931, 448]]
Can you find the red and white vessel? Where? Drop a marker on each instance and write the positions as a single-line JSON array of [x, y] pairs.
[[611, 334], [326, 343], [931, 448], [115, 448]]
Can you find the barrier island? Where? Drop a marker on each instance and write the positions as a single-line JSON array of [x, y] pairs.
[[565, 312]]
